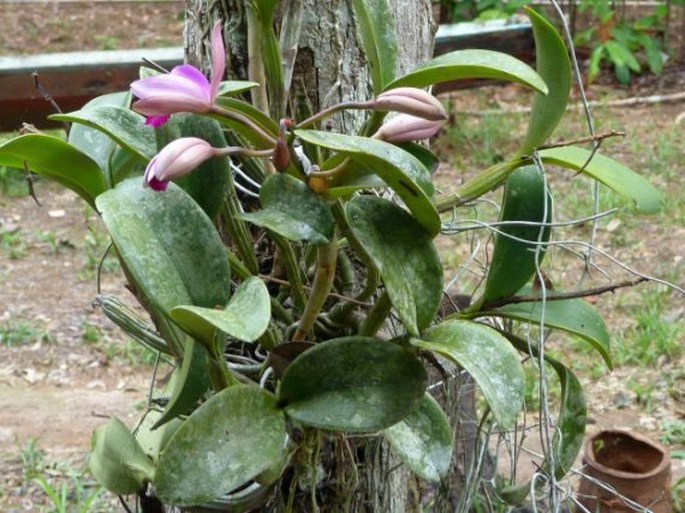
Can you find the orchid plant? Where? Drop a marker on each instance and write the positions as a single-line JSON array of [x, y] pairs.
[[271, 266]]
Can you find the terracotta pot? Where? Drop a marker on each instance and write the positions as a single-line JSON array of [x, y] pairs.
[[636, 467]]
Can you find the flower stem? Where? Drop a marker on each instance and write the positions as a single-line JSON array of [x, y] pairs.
[[326, 258], [289, 261], [237, 116], [478, 185], [332, 110], [376, 316]]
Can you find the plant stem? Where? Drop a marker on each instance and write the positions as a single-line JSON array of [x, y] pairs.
[[256, 64], [332, 110], [292, 270], [237, 229], [479, 185], [326, 259], [376, 316]]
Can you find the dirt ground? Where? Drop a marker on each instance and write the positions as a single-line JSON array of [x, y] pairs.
[[71, 370]]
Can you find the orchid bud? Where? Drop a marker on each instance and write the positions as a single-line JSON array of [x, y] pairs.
[[176, 159], [405, 128], [410, 100]]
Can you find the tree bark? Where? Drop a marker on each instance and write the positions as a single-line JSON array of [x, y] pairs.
[[360, 474]]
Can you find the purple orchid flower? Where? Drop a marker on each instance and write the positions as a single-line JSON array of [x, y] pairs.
[[184, 89], [176, 159]]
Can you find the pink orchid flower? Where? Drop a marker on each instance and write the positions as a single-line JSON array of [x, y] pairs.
[[405, 128], [176, 159], [184, 89]]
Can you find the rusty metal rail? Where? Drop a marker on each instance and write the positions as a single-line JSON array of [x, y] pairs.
[[73, 78]]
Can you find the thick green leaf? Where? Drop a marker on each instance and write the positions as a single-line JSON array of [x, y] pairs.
[[424, 440], [290, 208], [570, 315], [554, 66], [56, 159], [353, 384], [208, 184], [117, 461], [570, 425], [152, 440], [611, 173], [169, 246], [234, 436], [246, 316], [122, 125], [405, 256], [377, 31], [190, 382], [471, 64], [488, 357], [513, 261], [403, 172], [96, 144]]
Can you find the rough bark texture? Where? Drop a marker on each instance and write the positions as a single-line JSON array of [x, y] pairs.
[[359, 474]]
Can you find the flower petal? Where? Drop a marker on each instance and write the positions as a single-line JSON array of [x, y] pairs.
[[404, 128], [165, 104], [218, 60], [179, 157], [185, 81]]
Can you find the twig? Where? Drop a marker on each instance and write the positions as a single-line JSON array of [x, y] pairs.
[[559, 296], [583, 140], [47, 97], [625, 102], [29, 183]]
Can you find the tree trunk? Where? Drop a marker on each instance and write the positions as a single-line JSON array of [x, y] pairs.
[[358, 474]]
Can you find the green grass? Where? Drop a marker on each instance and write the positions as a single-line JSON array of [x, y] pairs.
[[13, 244], [653, 335], [13, 183], [21, 332], [59, 486]]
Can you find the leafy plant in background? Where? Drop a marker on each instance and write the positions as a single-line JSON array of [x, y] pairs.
[[481, 10], [292, 277], [620, 42]]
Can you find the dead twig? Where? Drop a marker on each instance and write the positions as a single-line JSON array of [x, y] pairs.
[[558, 296]]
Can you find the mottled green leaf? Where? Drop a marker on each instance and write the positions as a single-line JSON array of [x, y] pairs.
[[246, 316], [153, 440], [377, 31], [570, 315], [611, 173], [403, 172], [488, 357], [234, 436], [353, 384], [290, 208], [113, 160], [462, 64], [56, 159], [554, 66], [405, 256], [117, 461], [424, 440], [125, 127]]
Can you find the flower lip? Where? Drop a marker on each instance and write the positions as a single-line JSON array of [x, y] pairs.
[[411, 100]]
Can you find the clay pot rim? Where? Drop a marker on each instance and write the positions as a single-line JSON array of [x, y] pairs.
[[589, 455]]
